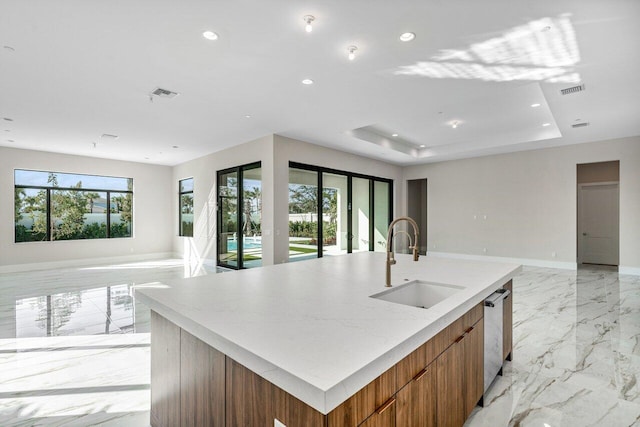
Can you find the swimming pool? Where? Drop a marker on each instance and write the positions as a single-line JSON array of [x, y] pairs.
[[232, 245]]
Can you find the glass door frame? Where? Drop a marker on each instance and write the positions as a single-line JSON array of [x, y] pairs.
[[350, 175], [239, 170]]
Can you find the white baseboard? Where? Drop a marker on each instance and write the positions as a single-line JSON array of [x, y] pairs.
[[524, 261], [16, 268], [634, 271]]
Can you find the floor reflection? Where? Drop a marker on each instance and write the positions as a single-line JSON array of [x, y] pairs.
[[105, 310], [74, 344]]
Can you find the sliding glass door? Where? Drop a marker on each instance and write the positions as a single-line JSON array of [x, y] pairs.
[[239, 217], [361, 214], [335, 224], [334, 212], [382, 214], [303, 214]]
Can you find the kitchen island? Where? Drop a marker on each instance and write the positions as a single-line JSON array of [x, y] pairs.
[[304, 343]]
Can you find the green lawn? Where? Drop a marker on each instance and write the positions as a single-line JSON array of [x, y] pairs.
[[302, 250]]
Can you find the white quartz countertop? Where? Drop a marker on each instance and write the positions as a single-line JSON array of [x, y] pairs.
[[310, 327]]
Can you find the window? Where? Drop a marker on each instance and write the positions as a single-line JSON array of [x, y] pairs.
[[334, 212], [62, 206], [186, 207]]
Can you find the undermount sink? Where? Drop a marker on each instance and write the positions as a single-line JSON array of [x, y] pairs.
[[418, 293]]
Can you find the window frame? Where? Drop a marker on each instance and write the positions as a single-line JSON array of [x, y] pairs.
[[320, 170], [180, 194], [239, 170], [48, 204]]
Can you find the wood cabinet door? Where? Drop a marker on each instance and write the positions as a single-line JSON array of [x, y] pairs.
[[416, 402], [165, 372], [384, 416], [473, 354], [249, 399], [202, 383], [357, 408], [293, 412], [507, 324], [449, 383]]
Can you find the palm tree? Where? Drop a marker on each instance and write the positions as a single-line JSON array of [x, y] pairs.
[[91, 197]]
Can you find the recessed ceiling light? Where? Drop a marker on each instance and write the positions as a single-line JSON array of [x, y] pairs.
[[7, 130], [210, 35], [352, 52], [10, 140], [547, 28], [454, 124], [9, 48], [394, 135], [407, 37], [308, 19], [535, 105], [307, 82], [546, 124], [7, 119], [146, 158], [247, 116], [422, 145], [174, 146]]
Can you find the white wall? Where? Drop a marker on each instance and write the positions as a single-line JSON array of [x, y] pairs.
[[202, 246], [529, 200], [152, 218]]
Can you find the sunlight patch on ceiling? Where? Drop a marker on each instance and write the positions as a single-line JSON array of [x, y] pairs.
[[542, 50]]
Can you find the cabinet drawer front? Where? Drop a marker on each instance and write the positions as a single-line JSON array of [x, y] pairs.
[[411, 365], [365, 402], [416, 402], [454, 331]]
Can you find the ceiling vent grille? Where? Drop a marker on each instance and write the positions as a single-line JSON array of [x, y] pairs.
[[574, 89], [580, 125], [109, 137], [164, 93]]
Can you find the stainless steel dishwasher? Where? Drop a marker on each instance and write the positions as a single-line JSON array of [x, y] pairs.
[[493, 328]]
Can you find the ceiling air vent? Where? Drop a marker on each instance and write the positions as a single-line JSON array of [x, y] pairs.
[[580, 125], [109, 137], [574, 89], [164, 93]]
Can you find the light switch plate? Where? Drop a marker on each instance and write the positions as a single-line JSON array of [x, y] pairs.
[[278, 423]]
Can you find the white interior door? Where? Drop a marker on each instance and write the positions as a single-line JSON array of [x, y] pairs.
[[598, 231]]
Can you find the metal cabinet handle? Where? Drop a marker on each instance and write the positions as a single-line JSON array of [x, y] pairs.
[[386, 405], [421, 374]]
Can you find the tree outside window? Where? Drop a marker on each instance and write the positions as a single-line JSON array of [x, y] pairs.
[[58, 206], [186, 207]]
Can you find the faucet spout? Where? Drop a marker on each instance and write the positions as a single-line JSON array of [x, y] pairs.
[[390, 254]]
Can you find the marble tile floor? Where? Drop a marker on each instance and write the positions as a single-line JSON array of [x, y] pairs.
[[576, 358], [74, 344], [74, 348]]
